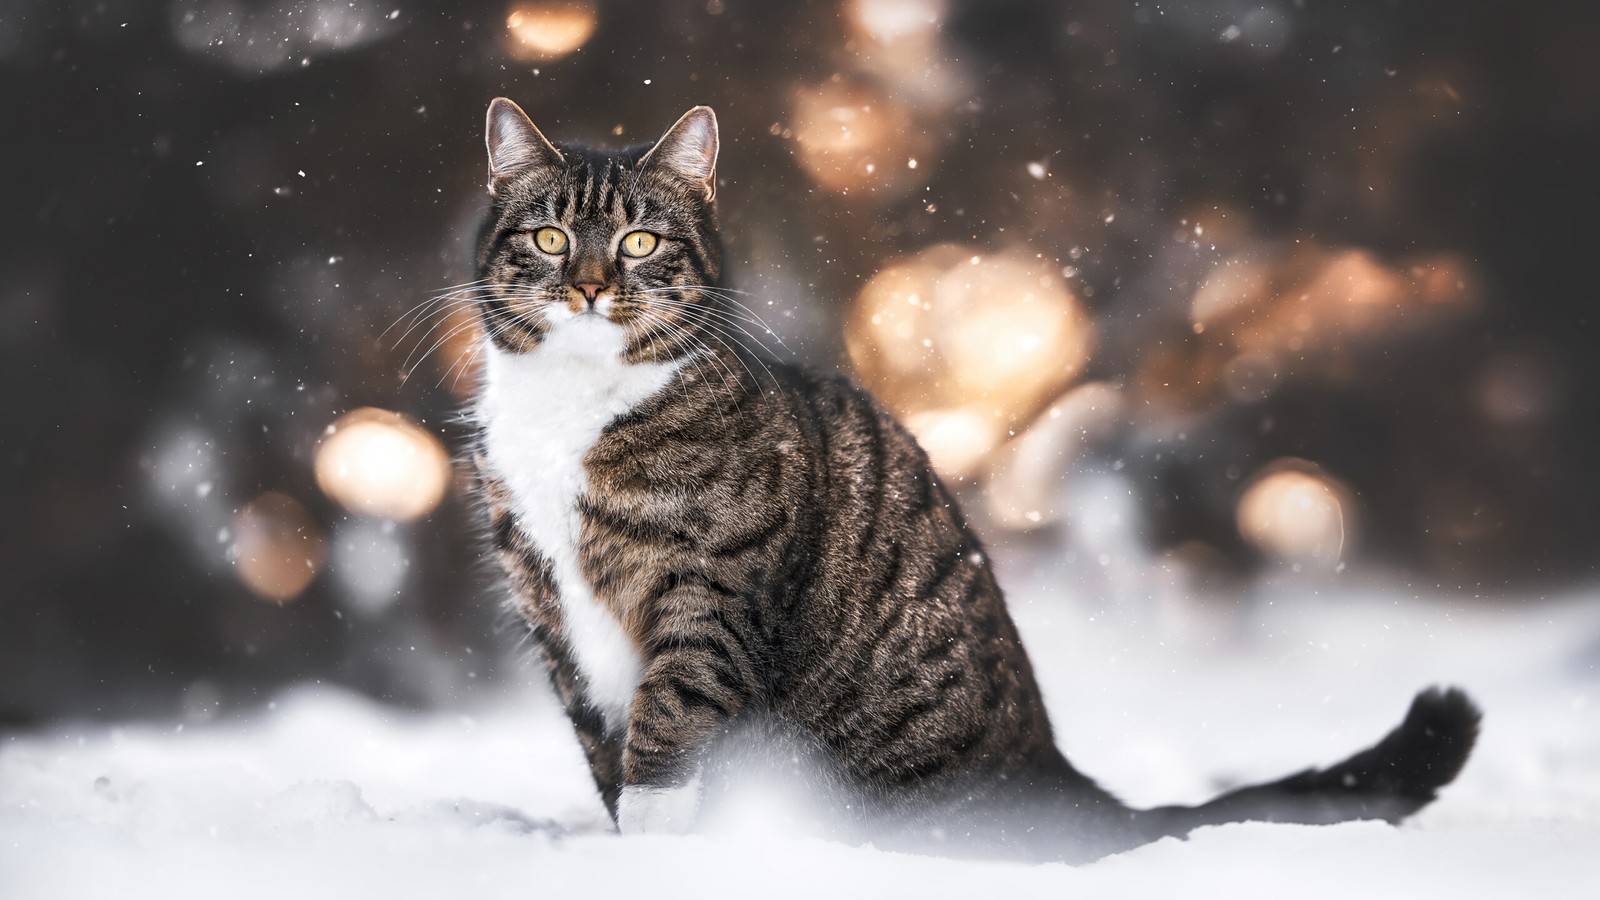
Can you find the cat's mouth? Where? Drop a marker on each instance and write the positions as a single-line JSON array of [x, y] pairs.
[[579, 306], [598, 317], [573, 312]]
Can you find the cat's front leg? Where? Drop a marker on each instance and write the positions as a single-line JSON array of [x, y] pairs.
[[601, 748], [698, 674]]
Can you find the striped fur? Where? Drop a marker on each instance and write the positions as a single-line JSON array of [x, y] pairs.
[[772, 543]]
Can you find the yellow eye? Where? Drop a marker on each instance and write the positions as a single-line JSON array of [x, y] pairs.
[[638, 243], [550, 240]]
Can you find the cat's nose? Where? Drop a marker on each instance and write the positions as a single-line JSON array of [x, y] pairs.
[[590, 288]]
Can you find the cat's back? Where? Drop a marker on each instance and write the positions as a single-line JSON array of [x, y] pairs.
[[899, 650]]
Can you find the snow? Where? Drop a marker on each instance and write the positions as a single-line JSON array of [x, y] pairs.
[[326, 794]]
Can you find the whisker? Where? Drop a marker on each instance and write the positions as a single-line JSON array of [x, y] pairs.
[[440, 313], [720, 314], [709, 315], [654, 325], [724, 294], [716, 330], [699, 317], [444, 292], [450, 332], [468, 296], [471, 359], [457, 329], [679, 301], [464, 360], [444, 316], [726, 377]]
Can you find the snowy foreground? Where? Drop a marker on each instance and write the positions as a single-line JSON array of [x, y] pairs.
[[328, 795]]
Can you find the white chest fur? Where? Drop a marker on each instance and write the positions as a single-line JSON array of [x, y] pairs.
[[541, 412]]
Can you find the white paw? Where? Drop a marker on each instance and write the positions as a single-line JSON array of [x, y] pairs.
[[657, 810]]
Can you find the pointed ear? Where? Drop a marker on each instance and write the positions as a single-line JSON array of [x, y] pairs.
[[514, 144], [689, 150]]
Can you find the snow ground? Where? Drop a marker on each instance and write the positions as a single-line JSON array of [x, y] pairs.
[[329, 795]]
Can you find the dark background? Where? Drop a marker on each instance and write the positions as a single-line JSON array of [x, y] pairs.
[[208, 220]]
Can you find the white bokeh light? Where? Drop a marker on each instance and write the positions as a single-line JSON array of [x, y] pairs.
[[370, 562]]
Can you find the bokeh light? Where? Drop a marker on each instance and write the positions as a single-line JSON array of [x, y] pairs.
[[953, 337], [1516, 388], [956, 440], [1238, 284], [542, 31], [898, 43], [370, 563], [378, 463], [1317, 297], [278, 548], [1026, 478], [892, 21], [1297, 513], [853, 138], [1265, 316], [258, 38]]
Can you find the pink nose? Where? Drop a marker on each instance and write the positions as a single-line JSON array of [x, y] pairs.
[[589, 288]]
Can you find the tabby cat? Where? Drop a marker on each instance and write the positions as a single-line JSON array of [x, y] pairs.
[[698, 541]]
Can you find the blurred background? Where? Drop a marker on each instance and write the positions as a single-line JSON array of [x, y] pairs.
[[1185, 298]]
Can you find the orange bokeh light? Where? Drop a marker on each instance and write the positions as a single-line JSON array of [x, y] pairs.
[[1295, 512], [852, 138], [278, 548], [543, 31], [378, 463], [951, 339]]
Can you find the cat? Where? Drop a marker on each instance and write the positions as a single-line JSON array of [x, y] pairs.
[[697, 540]]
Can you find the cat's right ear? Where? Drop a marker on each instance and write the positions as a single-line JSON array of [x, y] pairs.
[[515, 146]]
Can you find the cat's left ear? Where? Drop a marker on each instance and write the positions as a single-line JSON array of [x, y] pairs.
[[689, 150]]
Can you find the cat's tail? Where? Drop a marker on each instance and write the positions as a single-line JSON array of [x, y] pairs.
[[1391, 780]]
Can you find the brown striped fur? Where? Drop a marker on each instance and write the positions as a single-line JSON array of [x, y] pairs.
[[775, 544]]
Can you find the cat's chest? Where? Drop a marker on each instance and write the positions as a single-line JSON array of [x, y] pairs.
[[541, 413]]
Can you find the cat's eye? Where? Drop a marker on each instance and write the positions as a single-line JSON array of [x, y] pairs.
[[639, 243], [551, 240]]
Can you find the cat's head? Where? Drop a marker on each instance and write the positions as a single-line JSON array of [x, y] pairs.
[[576, 238]]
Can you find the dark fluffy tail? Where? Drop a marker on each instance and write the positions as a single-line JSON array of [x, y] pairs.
[[1391, 780]]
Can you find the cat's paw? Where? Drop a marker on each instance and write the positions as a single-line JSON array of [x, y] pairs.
[[643, 809]]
